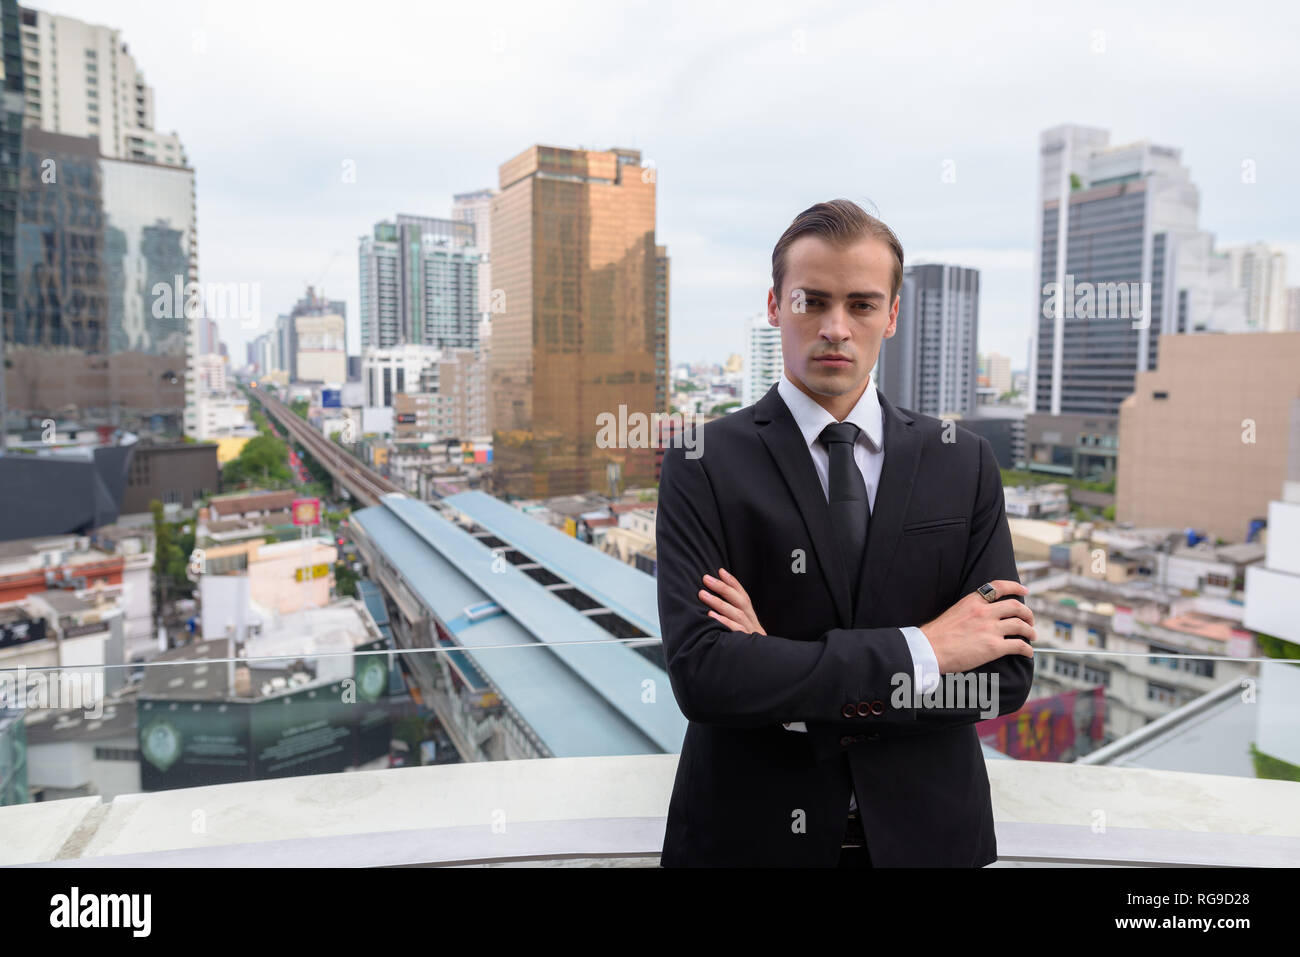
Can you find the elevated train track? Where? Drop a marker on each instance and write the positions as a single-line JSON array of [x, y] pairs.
[[362, 483]]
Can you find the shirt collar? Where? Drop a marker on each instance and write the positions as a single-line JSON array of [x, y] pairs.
[[811, 418]]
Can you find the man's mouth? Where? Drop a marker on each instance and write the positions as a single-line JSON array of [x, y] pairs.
[[835, 361]]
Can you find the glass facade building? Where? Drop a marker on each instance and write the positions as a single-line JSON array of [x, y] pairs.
[[583, 332]]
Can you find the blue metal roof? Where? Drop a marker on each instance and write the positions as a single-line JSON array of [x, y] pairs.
[[618, 586], [581, 699]]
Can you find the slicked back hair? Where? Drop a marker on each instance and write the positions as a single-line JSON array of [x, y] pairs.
[[840, 222]]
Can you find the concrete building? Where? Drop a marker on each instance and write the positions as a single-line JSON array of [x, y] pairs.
[[178, 473], [452, 401], [1209, 435], [930, 364], [1271, 589], [80, 79], [475, 208], [1260, 271], [575, 258], [313, 339], [763, 363], [406, 368], [1004, 427], [995, 368]]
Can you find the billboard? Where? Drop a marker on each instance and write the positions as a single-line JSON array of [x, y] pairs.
[[331, 398], [1062, 727], [306, 511], [311, 731]]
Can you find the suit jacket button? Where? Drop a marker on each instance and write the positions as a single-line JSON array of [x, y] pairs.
[[864, 709], [849, 710], [877, 708], [845, 741]]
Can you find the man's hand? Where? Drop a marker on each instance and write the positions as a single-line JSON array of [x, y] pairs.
[[974, 631], [733, 608]]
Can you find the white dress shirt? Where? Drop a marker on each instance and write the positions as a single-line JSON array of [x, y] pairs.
[[869, 454]]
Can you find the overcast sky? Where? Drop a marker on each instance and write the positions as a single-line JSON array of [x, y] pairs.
[[750, 112]]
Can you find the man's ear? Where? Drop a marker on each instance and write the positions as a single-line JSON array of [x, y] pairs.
[[773, 309], [893, 318]]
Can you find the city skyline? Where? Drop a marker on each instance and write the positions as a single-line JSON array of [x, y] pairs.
[[274, 207]]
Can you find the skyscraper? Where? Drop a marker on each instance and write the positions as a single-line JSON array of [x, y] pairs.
[[575, 261], [930, 363], [97, 323], [1121, 262], [11, 148]]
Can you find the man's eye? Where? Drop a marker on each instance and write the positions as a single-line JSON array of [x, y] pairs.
[[868, 305]]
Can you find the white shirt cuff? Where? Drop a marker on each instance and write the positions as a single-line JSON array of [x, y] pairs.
[[925, 665]]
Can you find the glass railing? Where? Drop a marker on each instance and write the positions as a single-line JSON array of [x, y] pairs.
[[206, 717]]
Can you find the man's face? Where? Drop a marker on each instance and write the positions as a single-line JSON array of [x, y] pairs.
[[834, 312]]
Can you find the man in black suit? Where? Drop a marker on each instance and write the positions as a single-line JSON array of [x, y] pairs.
[[804, 609]]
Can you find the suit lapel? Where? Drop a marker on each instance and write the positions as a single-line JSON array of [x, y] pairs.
[[777, 428], [897, 478]]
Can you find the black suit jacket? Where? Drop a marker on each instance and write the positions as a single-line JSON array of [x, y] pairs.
[[749, 792]]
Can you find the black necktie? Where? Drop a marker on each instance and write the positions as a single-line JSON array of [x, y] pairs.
[[849, 506]]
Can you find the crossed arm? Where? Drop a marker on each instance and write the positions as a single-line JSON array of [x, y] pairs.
[[726, 670]]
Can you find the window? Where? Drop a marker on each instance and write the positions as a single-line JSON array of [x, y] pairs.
[[1096, 676], [1161, 693], [1161, 661], [1063, 630]]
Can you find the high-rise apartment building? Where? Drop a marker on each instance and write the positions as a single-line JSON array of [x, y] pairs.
[[81, 80], [929, 364], [575, 262], [763, 362], [420, 284], [1121, 262], [1259, 270]]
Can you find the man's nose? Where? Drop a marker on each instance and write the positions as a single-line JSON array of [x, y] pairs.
[[835, 326]]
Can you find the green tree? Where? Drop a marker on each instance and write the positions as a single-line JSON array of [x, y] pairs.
[[263, 460], [169, 556]]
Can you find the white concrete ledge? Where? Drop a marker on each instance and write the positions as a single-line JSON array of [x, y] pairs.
[[613, 809]]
